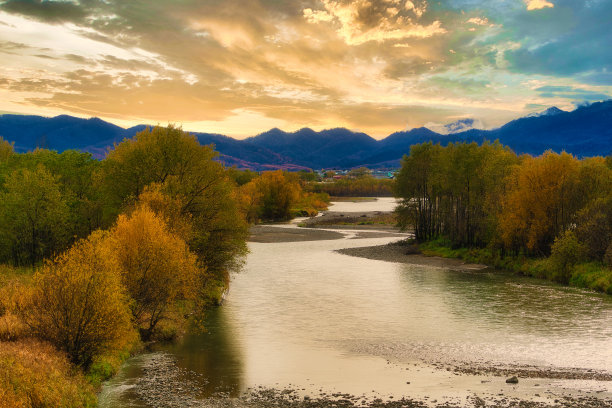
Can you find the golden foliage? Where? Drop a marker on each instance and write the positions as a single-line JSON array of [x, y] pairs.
[[270, 196], [78, 303], [35, 375], [540, 202], [156, 266], [168, 209]]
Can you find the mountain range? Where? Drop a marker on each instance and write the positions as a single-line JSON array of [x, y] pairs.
[[584, 132]]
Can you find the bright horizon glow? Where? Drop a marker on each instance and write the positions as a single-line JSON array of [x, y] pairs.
[[240, 69]]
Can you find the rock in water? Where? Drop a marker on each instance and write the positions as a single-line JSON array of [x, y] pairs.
[[512, 380]]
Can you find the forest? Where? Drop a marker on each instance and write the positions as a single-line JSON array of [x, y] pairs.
[[100, 257], [548, 216]]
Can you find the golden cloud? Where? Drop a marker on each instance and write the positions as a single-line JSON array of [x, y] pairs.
[[538, 4], [362, 21]]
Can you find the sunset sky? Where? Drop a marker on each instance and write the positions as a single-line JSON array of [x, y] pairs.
[[242, 67]]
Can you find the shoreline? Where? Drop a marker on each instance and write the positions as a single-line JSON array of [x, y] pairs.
[[165, 384], [409, 254]]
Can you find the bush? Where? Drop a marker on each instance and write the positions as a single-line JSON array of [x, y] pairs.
[[78, 303], [34, 374], [567, 251]]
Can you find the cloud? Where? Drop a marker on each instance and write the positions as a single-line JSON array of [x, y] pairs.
[[376, 65], [538, 4], [482, 21], [572, 93], [362, 21], [46, 10]]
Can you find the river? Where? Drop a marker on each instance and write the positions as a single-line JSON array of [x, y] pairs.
[[302, 316]]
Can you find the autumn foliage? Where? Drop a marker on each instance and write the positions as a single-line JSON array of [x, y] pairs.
[[486, 196], [124, 249], [279, 196], [156, 266], [78, 302]]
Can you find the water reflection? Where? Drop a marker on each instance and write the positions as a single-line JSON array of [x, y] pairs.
[[213, 352]]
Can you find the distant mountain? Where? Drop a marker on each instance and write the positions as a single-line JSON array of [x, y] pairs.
[[460, 125], [586, 131], [60, 133], [553, 110], [328, 148]]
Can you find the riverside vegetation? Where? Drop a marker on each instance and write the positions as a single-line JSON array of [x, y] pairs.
[[99, 257], [548, 216]]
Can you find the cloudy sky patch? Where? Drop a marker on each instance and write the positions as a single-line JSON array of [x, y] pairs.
[[240, 68]]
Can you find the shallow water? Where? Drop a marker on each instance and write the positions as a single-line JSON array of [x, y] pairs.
[[377, 204], [304, 316]]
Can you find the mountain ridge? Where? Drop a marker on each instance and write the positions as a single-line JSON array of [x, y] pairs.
[[584, 132]]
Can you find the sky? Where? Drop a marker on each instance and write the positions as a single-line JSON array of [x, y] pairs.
[[242, 67]]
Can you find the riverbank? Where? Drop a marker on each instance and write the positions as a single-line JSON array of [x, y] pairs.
[[162, 378], [587, 275], [376, 220], [400, 252]]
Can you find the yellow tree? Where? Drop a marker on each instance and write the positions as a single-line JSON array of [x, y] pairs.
[[541, 202], [277, 193], [78, 302], [156, 266]]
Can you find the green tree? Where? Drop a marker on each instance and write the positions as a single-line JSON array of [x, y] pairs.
[[594, 227], [33, 216], [566, 252], [185, 171], [417, 186], [6, 150]]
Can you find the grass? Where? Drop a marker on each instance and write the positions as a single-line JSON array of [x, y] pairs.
[[588, 275], [34, 374]]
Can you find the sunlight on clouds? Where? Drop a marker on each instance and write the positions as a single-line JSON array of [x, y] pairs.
[[482, 21], [538, 4], [362, 21], [239, 67]]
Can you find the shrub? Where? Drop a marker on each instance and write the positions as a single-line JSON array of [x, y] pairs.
[[78, 303], [567, 251]]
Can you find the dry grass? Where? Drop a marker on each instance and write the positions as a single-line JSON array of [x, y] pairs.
[[34, 374]]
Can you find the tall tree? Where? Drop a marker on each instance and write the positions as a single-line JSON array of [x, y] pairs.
[[184, 170]]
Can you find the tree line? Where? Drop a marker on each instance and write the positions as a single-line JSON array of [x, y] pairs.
[[487, 196]]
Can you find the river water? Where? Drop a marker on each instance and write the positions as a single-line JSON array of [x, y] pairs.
[[300, 315]]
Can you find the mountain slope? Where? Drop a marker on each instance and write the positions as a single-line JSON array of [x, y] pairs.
[[586, 131]]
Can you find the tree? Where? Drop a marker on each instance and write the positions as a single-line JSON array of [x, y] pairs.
[[416, 186], [359, 172], [78, 302], [566, 252], [275, 193], [541, 202], [184, 170], [594, 227], [33, 216], [156, 266], [241, 177], [6, 149]]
